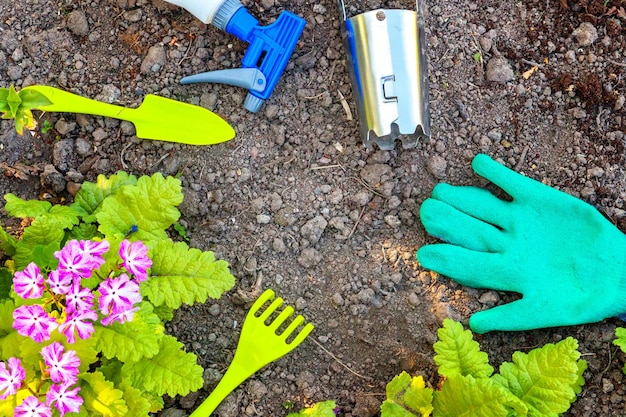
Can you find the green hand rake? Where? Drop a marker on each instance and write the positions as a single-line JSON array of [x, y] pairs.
[[259, 344]]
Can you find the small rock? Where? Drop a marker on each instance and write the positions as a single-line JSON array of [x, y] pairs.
[[189, 400], [52, 179], [313, 229], [257, 389], [595, 172], [585, 34], [392, 220], [133, 15], [263, 219], [414, 299], [489, 298], [77, 23], [337, 299], [437, 166], [361, 198], [375, 174], [309, 258], [155, 59], [173, 412], [499, 70], [278, 245]]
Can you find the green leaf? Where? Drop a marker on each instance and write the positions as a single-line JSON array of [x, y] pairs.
[[182, 275], [150, 207], [91, 195], [321, 409], [85, 231], [32, 99], [457, 353], [466, 396], [546, 379], [100, 397], [172, 371], [407, 397], [14, 101], [6, 317], [17, 207], [138, 405], [6, 280], [131, 341], [42, 238], [7, 242], [4, 94], [63, 217], [24, 119], [620, 333]]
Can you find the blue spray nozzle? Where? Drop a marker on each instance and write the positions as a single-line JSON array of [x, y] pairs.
[[269, 50]]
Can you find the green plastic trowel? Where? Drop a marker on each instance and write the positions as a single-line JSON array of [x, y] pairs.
[[157, 118]]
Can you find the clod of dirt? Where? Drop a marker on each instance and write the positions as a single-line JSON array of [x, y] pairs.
[[499, 70], [585, 34], [77, 23]]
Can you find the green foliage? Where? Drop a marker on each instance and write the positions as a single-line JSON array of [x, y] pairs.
[[125, 368], [541, 383], [321, 409], [179, 275], [458, 353], [620, 334], [18, 106], [407, 397]]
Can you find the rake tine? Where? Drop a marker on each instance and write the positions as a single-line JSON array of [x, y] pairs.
[[292, 326], [270, 309], [302, 335], [263, 298], [284, 315]]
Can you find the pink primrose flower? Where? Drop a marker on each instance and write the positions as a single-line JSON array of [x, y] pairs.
[[76, 322], [135, 257], [65, 400], [31, 407], [62, 366], [93, 251], [78, 299], [73, 261], [34, 322], [59, 283], [11, 378], [118, 295], [29, 282], [121, 316]]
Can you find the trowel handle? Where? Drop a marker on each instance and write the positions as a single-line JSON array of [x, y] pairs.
[[204, 10]]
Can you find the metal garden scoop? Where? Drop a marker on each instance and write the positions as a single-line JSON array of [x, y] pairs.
[[157, 118]]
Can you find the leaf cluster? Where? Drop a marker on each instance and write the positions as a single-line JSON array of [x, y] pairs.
[[18, 106], [541, 383], [126, 368]]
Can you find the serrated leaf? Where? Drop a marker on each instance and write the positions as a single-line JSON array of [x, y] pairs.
[[41, 238], [131, 341], [321, 409], [91, 195], [407, 397], [183, 275], [457, 353], [620, 333], [138, 405], [172, 371], [7, 242], [63, 217], [466, 396], [6, 316], [85, 231], [100, 397], [546, 379], [6, 280], [149, 207], [18, 207]]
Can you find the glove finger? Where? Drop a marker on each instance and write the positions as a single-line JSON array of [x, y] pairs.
[[513, 183], [467, 267], [477, 202], [453, 226], [516, 316]]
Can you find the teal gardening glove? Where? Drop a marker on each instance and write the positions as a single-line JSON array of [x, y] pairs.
[[560, 253]]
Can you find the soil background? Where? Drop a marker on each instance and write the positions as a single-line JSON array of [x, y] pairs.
[[297, 204]]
